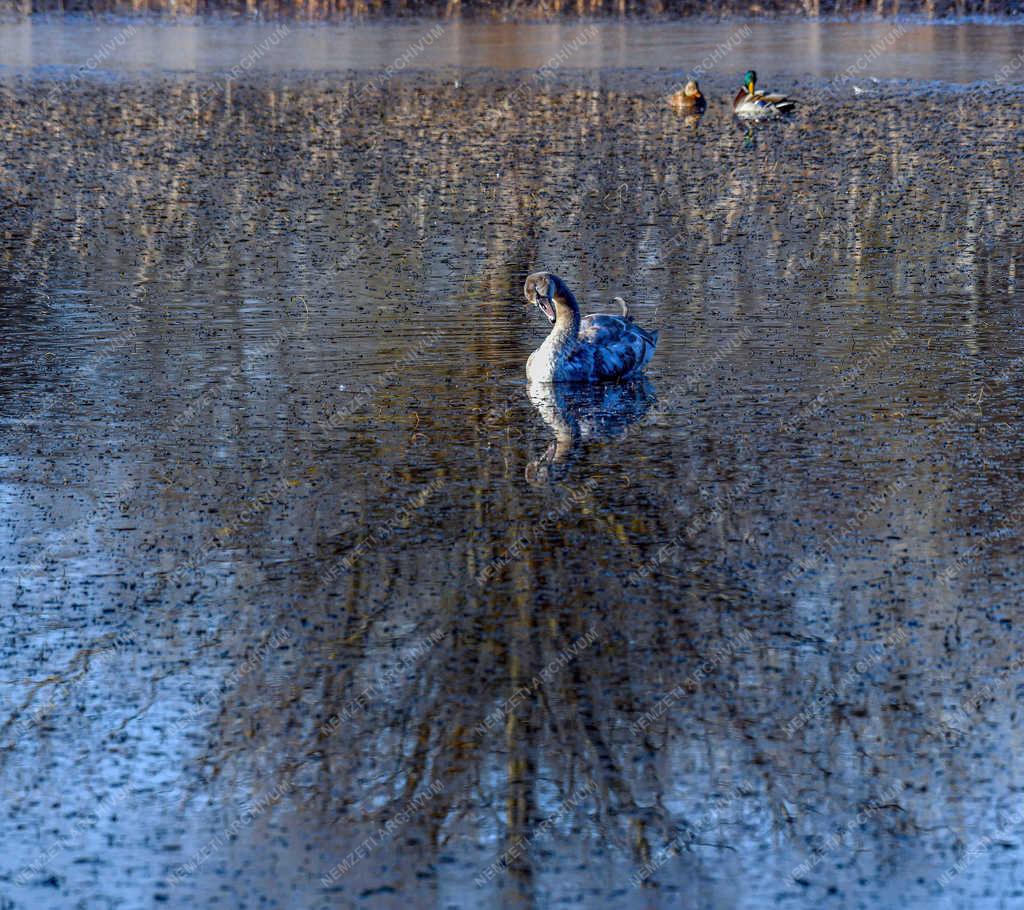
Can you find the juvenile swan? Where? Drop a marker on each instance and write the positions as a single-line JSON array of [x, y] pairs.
[[593, 349]]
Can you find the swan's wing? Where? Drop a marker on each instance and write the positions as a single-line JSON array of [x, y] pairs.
[[602, 328], [615, 346]]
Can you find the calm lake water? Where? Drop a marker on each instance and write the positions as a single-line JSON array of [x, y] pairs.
[[308, 600]]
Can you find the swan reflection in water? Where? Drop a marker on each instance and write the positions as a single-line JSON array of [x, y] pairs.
[[578, 413]]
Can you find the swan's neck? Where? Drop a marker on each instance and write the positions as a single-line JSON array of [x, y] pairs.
[[545, 364], [566, 329]]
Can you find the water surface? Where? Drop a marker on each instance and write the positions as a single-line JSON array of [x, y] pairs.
[[308, 601], [854, 51]]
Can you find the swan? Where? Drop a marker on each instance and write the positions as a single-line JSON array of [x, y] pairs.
[[751, 104], [593, 349]]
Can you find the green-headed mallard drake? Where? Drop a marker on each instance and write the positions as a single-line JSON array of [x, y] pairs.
[[751, 104], [688, 100], [593, 349]]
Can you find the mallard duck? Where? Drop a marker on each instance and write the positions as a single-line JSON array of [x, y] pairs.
[[593, 349], [752, 104], [688, 99]]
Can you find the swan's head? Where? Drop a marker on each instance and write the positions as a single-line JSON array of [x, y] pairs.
[[548, 293]]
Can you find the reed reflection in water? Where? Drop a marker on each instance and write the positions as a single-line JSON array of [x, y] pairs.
[[265, 359]]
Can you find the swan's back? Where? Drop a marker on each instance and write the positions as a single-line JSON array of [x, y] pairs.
[[615, 346]]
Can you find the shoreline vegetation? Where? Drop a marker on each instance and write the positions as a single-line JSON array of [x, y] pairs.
[[527, 10]]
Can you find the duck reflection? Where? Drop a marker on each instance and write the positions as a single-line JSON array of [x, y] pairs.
[[578, 413]]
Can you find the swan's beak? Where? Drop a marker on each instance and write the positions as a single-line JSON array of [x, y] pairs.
[[547, 307], [543, 302]]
